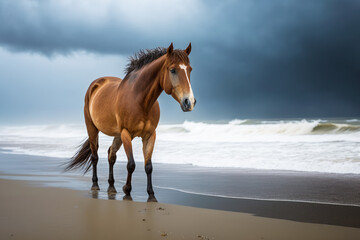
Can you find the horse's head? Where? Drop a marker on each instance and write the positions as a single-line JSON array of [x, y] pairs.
[[176, 80]]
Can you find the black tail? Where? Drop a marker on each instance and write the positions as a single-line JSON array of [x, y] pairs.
[[81, 159]]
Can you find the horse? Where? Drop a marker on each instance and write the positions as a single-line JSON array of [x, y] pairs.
[[128, 108]]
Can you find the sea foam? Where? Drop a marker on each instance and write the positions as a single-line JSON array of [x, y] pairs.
[[302, 145]]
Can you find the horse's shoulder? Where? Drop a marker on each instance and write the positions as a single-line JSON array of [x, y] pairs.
[[155, 112]]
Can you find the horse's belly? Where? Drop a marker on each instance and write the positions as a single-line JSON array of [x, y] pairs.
[[142, 128], [106, 125], [144, 125]]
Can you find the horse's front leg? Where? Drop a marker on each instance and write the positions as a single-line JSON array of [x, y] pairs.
[[126, 140], [148, 147]]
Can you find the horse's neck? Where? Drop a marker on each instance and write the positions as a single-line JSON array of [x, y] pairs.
[[147, 86]]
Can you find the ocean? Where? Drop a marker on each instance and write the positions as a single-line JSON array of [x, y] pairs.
[[307, 145]]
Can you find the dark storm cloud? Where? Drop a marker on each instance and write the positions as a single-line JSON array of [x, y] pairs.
[[119, 27], [293, 59], [250, 58]]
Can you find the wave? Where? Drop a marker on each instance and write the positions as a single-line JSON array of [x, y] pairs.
[[352, 120], [303, 145], [335, 128], [258, 128]]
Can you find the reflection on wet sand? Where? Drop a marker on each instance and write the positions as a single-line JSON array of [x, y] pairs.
[[95, 194], [110, 195]]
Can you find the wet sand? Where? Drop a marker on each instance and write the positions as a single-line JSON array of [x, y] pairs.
[[32, 212], [332, 199]]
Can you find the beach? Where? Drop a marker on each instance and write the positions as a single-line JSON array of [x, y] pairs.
[[32, 212], [45, 204], [236, 180]]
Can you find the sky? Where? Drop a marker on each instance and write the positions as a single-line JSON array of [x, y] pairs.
[[250, 58]]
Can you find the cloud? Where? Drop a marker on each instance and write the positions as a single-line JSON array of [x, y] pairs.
[[250, 58], [105, 27]]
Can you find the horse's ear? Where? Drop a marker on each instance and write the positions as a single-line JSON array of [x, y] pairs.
[[170, 49], [188, 49]]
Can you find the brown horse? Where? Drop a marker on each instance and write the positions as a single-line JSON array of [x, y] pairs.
[[128, 108]]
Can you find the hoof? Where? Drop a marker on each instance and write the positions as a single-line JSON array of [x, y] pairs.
[[152, 198], [111, 189], [95, 187], [127, 189], [127, 197]]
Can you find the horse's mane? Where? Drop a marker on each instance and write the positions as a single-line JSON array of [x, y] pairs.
[[143, 57], [146, 56]]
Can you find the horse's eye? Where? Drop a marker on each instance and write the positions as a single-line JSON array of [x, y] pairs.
[[173, 70]]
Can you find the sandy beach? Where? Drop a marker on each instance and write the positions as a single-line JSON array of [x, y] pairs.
[[32, 212], [39, 201]]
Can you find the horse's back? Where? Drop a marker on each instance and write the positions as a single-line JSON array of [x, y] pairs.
[[102, 82]]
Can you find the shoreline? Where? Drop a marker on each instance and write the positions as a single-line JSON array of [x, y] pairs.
[[41, 182], [273, 194], [33, 212], [317, 213], [259, 199], [251, 184]]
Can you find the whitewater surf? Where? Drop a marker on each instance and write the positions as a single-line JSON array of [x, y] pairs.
[[330, 146]]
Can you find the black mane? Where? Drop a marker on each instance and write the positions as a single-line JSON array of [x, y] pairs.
[[144, 57]]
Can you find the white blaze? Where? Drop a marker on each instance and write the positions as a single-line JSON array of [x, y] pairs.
[[183, 67], [191, 95]]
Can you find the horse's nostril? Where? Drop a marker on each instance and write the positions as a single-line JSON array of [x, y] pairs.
[[187, 102], [194, 101]]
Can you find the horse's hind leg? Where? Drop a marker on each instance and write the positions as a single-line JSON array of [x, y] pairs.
[[126, 140], [148, 147], [93, 133], [112, 158], [94, 159]]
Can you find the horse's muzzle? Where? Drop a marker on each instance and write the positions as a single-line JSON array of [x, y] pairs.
[[186, 105]]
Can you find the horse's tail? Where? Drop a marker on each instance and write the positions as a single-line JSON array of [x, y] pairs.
[[81, 159]]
